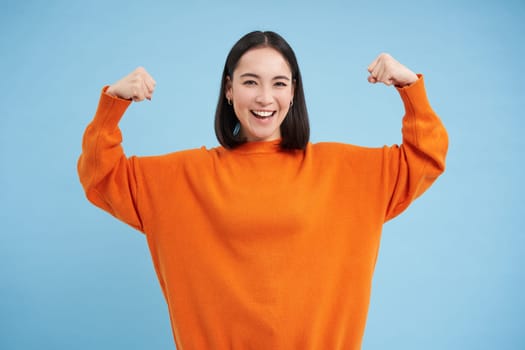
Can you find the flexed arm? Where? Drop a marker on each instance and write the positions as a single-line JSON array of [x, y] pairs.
[[108, 177], [413, 166]]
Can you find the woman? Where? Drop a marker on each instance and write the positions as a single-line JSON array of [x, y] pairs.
[[269, 241]]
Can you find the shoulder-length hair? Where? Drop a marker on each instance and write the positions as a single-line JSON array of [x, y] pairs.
[[295, 129]]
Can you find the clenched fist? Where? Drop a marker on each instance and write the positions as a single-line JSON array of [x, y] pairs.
[[385, 69], [136, 86]]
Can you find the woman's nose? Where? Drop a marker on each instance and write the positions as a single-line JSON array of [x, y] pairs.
[[264, 96]]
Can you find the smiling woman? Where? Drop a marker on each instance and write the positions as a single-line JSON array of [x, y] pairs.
[[268, 241], [261, 74]]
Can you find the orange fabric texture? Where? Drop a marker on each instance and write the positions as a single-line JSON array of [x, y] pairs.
[[256, 248]]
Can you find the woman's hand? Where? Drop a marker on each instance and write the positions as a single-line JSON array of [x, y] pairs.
[[136, 86], [385, 69]]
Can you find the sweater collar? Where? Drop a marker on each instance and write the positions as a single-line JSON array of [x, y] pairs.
[[259, 147]]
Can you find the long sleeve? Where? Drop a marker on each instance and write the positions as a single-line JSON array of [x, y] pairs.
[[106, 174], [421, 158]]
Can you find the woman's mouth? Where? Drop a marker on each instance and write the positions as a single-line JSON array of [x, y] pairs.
[[262, 114]]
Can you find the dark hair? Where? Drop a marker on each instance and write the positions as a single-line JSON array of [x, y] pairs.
[[295, 129]]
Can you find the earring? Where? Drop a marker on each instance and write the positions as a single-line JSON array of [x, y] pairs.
[[291, 103], [229, 101], [236, 129]]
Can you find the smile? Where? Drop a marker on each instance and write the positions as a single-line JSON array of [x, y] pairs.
[[263, 114]]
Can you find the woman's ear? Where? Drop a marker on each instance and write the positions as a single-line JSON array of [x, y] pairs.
[[293, 88], [228, 88]]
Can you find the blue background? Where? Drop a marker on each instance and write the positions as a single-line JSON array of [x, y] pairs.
[[451, 269]]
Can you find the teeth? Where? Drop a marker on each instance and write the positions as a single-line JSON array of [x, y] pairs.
[[263, 114]]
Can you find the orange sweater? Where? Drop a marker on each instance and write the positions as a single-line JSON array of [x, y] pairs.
[[256, 248]]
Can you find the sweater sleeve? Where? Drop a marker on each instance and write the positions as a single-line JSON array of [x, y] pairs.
[[106, 174], [420, 159]]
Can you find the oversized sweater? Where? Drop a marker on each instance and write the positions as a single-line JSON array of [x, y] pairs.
[[258, 248]]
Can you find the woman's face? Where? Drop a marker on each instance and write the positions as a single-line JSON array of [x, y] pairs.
[[261, 90]]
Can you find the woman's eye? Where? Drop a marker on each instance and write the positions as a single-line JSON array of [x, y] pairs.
[[280, 84], [249, 82]]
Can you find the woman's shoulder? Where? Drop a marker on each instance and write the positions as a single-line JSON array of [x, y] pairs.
[[185, 156], [335, 147], [344, 150]]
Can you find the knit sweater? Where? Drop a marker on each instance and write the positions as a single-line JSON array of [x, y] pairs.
[[258, 248]]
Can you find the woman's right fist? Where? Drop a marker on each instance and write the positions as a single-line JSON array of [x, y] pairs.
[[135, 86]]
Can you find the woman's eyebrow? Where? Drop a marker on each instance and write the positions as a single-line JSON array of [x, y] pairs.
[[253, 75], [279, 77]]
